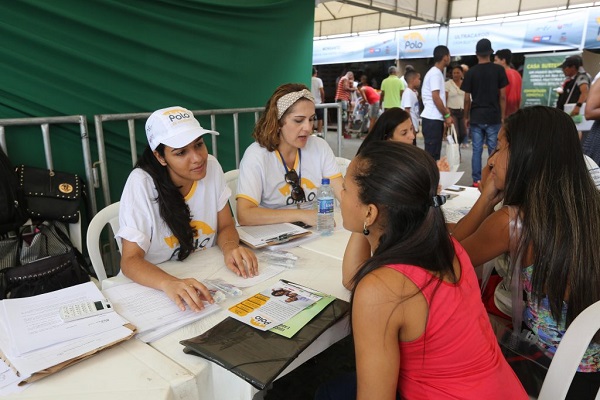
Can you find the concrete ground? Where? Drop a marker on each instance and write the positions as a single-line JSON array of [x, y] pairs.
[[350, 146]]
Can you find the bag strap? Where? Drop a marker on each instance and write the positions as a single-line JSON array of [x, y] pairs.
[[515, 228], [80, 258], [453, 133]]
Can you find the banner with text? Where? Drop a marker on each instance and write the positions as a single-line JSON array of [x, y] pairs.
[[541, 77], [592, 35], [561, 31], [356, 48], [420, 43]]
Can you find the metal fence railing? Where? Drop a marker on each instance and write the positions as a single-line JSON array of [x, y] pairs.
[[44, 123], [100, 119]]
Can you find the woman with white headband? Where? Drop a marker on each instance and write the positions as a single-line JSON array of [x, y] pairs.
[[281, 172]]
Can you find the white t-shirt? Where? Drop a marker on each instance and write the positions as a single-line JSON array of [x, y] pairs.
[[262, 173], [409, 99], [315, 85], [434, 80], [593, 170], [141, 223]]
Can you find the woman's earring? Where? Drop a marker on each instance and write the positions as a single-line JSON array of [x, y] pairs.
[[365, 230]]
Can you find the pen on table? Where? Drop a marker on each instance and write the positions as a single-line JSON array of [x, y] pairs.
[[280, 238]]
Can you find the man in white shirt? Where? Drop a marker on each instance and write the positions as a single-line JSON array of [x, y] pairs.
[[316, 88], [407, 69], [435, 113]]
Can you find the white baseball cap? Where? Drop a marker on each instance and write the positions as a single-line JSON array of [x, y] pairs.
[[173, 126]]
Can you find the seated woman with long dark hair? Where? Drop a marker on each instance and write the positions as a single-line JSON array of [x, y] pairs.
[[394, 125], [175, 202], [419, 326], [550, 227]]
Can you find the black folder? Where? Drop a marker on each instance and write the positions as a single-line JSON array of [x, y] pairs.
[[259, 356]]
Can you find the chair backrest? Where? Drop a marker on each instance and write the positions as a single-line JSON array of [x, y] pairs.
[[108, 215], [342, 164], [231, 178], [75, 234], [569, 354]]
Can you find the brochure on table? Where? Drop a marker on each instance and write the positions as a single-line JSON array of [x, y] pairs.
[[274, 306], [258, 356], [298, 321]]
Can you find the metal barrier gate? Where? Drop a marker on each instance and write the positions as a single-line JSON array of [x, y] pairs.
[[234, 112], [44, 123]]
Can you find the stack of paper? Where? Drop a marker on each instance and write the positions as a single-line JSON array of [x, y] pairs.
[[35, 341], [151, 310]]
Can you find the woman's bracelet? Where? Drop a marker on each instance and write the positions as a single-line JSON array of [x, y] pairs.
[[236, 242], [447, 116]]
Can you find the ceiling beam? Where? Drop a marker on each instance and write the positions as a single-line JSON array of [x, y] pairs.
[[393, 12]]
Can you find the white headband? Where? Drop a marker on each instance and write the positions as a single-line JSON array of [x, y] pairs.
[[287, 100]]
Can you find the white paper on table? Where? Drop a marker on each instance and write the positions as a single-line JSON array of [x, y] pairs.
[[161, 331], [449, 178], [8, 377], [455, 215], [149, 308], [273, 306], [38, 360], [34, 322], [265, 271]]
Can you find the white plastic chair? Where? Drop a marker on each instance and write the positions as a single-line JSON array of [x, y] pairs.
[[342, 164], [569, 354], [108, 215], [231, 178]]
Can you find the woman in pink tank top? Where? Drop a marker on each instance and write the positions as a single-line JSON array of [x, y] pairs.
[[420, 329]]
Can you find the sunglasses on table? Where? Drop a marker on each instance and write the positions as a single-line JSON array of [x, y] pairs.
[[297, 192]]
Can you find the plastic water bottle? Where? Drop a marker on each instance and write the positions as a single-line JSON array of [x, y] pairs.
[[325, 221]]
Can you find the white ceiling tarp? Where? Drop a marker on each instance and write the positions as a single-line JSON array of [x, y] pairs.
[[353, 16]]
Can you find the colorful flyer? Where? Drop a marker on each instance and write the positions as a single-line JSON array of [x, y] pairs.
[[274, 306], [297, 322]]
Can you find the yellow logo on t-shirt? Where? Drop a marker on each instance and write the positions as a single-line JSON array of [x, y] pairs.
[[286, 189], [201, 227]]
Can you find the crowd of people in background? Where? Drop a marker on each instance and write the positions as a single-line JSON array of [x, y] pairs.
[[420, 326], [474, 100], [537, 190]]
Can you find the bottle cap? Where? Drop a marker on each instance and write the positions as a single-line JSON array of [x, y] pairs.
[[325, 181]]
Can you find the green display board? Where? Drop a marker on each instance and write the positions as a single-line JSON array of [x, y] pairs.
[[542, 75]]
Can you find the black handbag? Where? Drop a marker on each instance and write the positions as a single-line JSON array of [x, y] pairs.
[[45, 260], [51, 195]]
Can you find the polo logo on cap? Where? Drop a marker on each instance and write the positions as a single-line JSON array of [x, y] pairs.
[[178, 115]]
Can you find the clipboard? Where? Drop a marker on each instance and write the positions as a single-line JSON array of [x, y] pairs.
[[260, 236]]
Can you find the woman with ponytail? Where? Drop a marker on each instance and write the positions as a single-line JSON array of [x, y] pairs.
[[420, 329], [175, 202]]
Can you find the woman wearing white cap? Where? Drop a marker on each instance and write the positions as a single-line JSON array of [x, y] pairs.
[[281, 172], [175, 202]]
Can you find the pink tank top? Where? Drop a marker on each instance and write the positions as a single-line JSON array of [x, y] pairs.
[[457, 357]]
